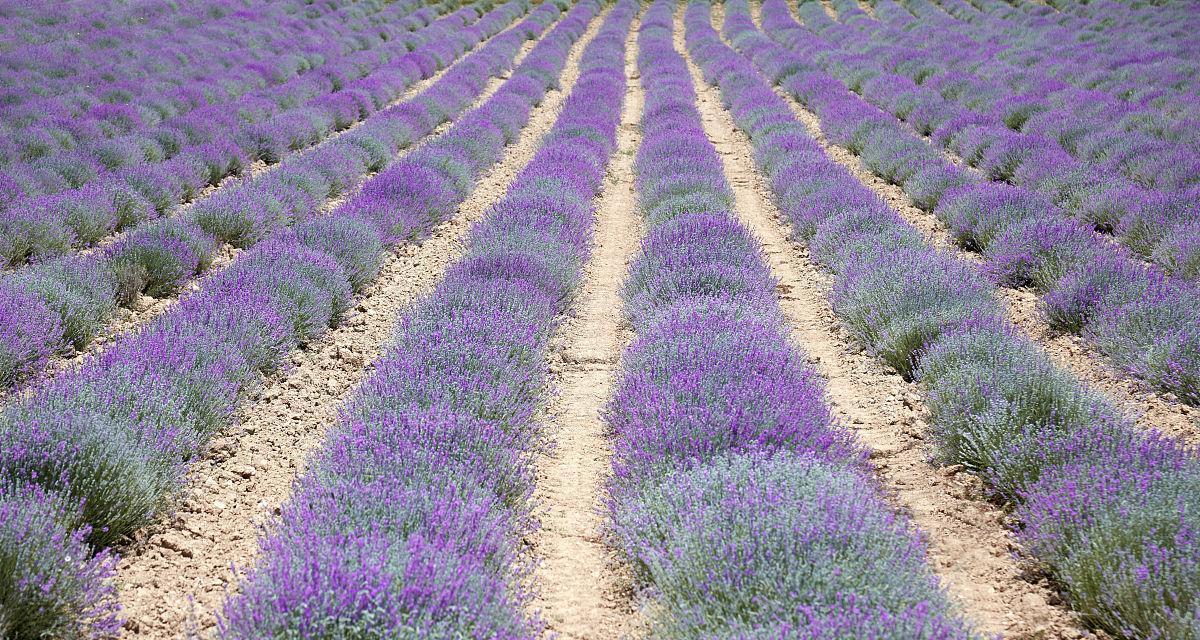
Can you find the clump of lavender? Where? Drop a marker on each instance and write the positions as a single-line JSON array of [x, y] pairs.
[[855, 235], [354, 244], [90, 213], [1179, 252], [31, 332], [900, 302], [696, 256], [1107, 283], [928, 183], [1039, 252], [1156, 336], [80, 290], [976, 214], [747, 544], [29, 234], [157, 260], [710, 377], [51, 583], [988, 388], [362, 550], [1118, 525]]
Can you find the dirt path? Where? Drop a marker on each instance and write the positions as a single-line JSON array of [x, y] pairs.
[[1148, 407], [177, 572], [583, 589], [970, 548]]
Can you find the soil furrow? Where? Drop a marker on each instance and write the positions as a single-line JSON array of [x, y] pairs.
[[583, 589], [970, 548], [176, 573]]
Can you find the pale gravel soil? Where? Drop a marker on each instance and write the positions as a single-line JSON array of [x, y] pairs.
[[175, 574], [1150, 408], [971, 548], [583, 589]]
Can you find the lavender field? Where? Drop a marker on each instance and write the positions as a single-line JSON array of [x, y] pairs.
[[600, 319]]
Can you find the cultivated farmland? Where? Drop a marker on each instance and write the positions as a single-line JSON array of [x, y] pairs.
[[740, 319]]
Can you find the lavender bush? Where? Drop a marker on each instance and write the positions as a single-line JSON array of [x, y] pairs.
[[51, 585]]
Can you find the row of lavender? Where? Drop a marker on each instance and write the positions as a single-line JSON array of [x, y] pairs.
[[135, 69], [1139, 57], [95, 454], [120, 183], [1145, 53], [1147, 321], [409, 522], [62, 304], [1110, 510], [1100, 158], [736, 498]]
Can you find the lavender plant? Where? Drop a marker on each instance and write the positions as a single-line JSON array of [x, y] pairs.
[[50, 583]]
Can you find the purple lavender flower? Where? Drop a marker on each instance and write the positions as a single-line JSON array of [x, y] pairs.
[[53, 584], [31, 333]]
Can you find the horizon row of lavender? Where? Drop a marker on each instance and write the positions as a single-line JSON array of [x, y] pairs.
[[1140, 53], [1144, 55], [76, 183]]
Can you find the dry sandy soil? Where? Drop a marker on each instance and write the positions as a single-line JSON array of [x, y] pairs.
[[582, 590]]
